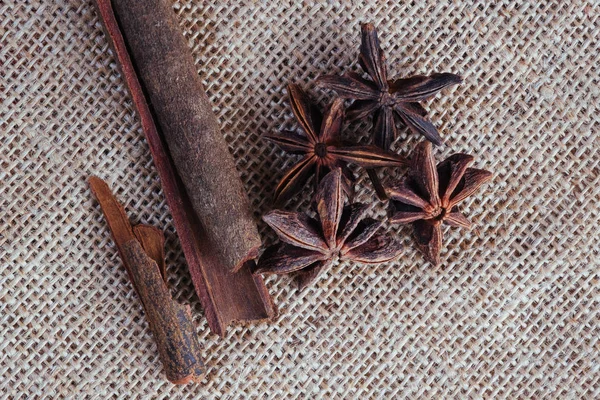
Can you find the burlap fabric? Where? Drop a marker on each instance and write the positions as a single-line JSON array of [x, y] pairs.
[[511, 313]]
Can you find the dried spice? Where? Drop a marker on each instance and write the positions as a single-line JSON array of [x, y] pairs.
[[385, 98], [150, 31], [311, 245], [168, 74], [142, 251], [322, 147], [429, 195]]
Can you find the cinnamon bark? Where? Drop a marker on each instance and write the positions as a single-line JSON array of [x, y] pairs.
[[167, 72], [206, 235], [141, 250], [170, 322]]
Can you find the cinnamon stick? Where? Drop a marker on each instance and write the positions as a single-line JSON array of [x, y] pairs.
[[218, 234], [167, 72], [170, 322]]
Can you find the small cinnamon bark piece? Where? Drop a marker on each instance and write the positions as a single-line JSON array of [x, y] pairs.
[[170, 322], [141, 249], [225, 297]]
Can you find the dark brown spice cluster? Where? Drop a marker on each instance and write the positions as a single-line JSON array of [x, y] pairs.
[[426, 197], [310, 245], [321, 146]]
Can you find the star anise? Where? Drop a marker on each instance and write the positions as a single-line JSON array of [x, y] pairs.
[[385, 98], [311, 245], [429, 195], [322, 147]]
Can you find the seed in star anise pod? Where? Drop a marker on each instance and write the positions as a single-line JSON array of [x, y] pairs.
[[385, 98], [429, 195], [322, 147], [311, 245]]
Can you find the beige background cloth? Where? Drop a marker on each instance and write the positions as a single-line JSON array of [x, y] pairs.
[[512, 312]]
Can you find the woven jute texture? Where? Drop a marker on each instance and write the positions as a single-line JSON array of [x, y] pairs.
[[512, 312]]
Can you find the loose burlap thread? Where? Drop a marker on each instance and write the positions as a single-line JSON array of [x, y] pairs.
[[512, 312]]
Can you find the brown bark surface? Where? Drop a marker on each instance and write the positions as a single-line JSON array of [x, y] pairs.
[[166, 70], [225, 297], [170, 322]]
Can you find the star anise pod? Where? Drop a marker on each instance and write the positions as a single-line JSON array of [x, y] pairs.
[[429, 195], [322, 147], [311, 245], [385, 98]]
